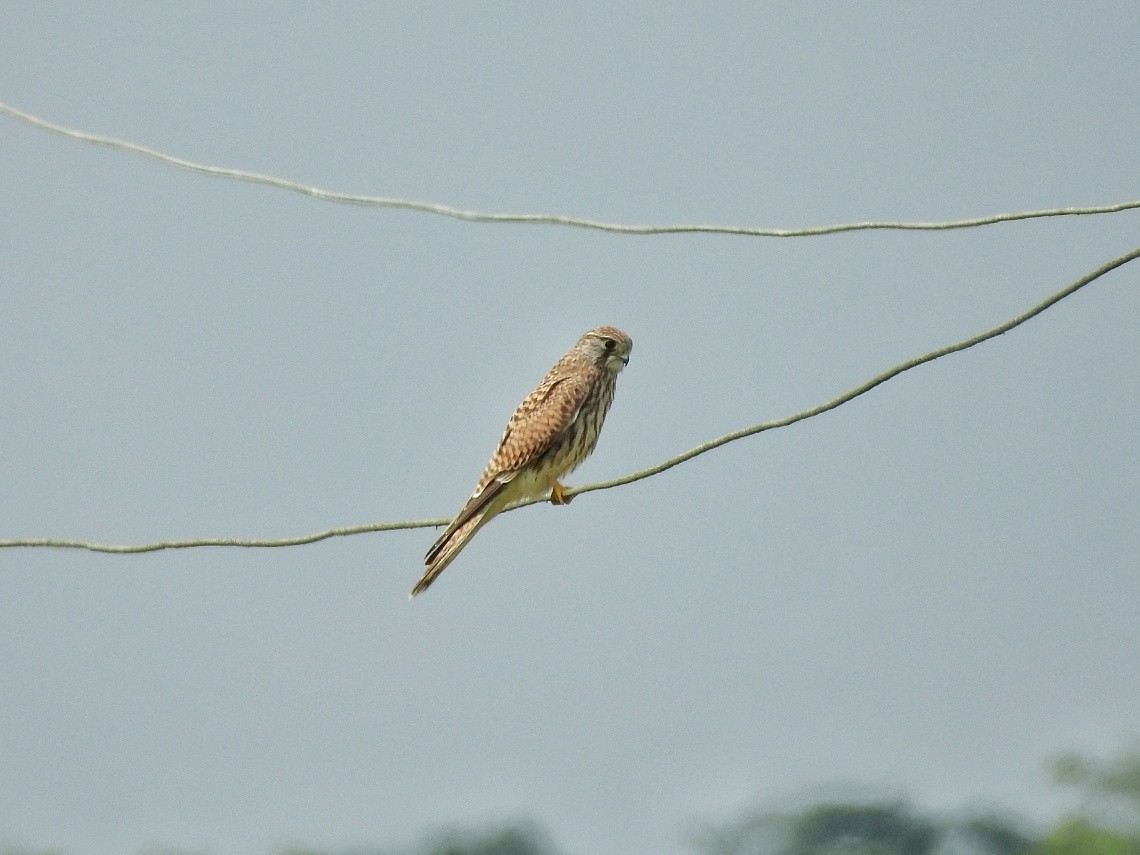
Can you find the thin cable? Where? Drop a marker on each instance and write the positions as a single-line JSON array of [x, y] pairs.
[[549, 219], [634, 476]]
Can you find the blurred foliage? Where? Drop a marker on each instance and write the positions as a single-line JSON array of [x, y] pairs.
[[864, 828], [524, 838], [1107, 822], [509, 841], [1116, 781], [1078, 836]]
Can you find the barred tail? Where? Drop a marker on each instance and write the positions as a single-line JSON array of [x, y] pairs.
[[452, 541]]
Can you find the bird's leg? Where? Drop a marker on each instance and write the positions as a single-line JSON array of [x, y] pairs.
[[558, 496]]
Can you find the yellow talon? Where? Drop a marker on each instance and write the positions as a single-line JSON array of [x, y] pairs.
[[558, 495]]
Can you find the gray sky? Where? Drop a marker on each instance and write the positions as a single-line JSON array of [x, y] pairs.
[[929, 590]]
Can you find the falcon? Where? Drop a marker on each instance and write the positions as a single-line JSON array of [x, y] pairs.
[[553, 430]]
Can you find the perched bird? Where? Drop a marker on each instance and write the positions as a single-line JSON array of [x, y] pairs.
[[551, 432]]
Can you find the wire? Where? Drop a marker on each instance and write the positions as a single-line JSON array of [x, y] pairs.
[[704, 448], [550, 219]]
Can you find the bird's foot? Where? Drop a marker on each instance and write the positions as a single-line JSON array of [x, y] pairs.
[[558, 495]]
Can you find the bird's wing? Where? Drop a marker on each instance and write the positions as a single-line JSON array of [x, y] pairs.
[[537, 423], [539, 419]]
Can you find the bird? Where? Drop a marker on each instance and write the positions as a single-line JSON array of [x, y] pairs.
[[553, 430]]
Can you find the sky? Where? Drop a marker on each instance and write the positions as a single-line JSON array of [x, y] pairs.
[[928, 591]]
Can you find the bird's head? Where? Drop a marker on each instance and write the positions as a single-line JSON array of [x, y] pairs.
[[608, 346]]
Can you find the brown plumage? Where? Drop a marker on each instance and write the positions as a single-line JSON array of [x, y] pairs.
[[554, 429]]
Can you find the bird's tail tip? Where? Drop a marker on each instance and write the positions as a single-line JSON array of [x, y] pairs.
[[448, 546], [426, 580]]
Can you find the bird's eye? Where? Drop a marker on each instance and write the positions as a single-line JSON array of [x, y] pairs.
[[610, 344]]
